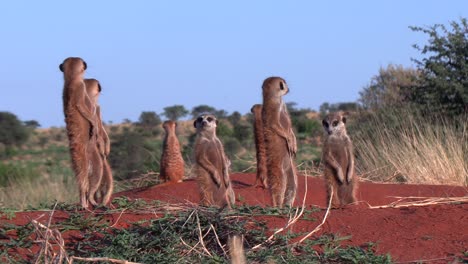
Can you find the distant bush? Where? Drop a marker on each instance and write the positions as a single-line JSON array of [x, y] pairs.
[[12, 130], [132, 155]]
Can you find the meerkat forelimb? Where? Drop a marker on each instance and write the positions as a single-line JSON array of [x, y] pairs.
[[212, 165], [338, 161], [280, 143], [80, 122], [259, 138]]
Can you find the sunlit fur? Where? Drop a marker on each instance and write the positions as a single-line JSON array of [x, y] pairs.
[[80, 122], [338, 161], [211, 164], [261, 180], [280, 143], [101, 181], [172, 163]]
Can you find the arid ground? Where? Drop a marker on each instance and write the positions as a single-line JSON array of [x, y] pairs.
[[433, 233]]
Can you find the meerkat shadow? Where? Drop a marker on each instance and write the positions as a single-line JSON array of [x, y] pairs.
[[240, 185]]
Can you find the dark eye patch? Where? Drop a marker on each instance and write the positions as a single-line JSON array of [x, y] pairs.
[[200, 119], [325, 123], [99, 87], [335, 123], [209, 119]]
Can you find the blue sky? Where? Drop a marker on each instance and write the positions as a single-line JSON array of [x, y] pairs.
[[152, 54]]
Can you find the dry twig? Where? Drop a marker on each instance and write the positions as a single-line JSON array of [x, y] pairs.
[[323, 221], [402, 201]]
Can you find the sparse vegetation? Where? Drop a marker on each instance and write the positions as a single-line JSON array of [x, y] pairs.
[[185, 234]]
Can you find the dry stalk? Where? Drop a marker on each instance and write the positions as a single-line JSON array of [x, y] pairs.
[[200, 236], [426, 201], [291, 221], [102, 259], [44, 234], [323, 221], [121, 213], [217, 239]]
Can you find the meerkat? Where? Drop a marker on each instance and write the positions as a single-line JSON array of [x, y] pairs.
[[280, 143], [80, 121], [100, 183], [211, 164], [338, 160], [172, 163], [261, 180]]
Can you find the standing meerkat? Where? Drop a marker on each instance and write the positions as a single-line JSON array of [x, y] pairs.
[[261, 180], [338, 160], [80, 121], [280, 143], [104, 184], [172, 163], [211, 164]]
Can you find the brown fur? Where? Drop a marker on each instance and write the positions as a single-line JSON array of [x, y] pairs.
[[338, 160], [259, 138], [212, 165], [280, 143], [172, 163], [101, 180], [80, 122]]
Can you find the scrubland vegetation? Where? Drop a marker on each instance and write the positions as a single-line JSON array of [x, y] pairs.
[[409, 125]]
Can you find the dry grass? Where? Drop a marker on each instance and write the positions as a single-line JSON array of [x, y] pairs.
[[417, 150], [21, 195]]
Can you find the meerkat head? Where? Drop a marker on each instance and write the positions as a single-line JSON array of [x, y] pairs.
[[169, 124], [93, 88], [274, 87], [256, 108], [206, 122], [73, 65], [334, 124]]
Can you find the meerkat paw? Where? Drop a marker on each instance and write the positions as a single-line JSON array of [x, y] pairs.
[[340, 176]]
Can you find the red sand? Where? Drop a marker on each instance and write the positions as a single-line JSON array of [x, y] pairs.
[[436, 232]]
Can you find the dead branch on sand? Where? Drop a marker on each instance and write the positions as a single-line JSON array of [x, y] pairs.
[[425, 201], [321, 224], [292, 219]]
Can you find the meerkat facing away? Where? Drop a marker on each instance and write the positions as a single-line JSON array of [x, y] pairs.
[[280, 143], [211, 164], [172, 163], [100, 185], [261, 180], [80, 121], [338, 160]]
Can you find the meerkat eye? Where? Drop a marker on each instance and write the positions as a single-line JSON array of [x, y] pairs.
[[335, 123], [209, 119], [99, 87]]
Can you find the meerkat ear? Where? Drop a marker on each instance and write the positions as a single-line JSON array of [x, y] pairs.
[[195, 124], [61, 67], [216, 122], [252, 109]]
